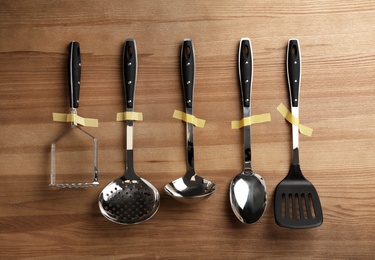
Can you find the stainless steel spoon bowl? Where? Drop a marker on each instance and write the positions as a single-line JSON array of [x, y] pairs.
[[129, 199], [247, 191], [248, 196], [190, 188]]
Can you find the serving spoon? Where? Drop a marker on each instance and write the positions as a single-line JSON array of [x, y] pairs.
[[129, 199], [247, 192], [190, 188]]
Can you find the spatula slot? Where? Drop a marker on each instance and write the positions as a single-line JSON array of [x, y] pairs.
[[291, 206], [283, 206], [297, 202], [304, 208], [311, 206]]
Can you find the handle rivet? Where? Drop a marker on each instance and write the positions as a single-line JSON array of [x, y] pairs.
[[188, 64], [247, 81], [188, 82], [79, 82], [129, 101], [189, 101], [79, 64], [129, 82], [129, 63], [296, 81], [247, 100], [295, 62], [246, 62]]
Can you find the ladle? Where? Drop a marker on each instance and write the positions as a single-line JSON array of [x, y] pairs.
[[129, 199], [247, 192], [190, 188]]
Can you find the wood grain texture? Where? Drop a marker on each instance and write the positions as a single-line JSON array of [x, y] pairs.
[[337, 101]]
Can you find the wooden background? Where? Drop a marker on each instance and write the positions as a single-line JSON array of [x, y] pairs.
[[337, 101]]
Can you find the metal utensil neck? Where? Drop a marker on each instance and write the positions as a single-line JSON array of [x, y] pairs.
[[247, 142], [295, 137], [129, 166], [73, 111], [190, 142]]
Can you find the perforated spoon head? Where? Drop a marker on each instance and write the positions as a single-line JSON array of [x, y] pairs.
[[125, 201]]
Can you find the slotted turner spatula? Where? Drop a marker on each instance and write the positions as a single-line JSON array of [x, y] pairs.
[[297, 204]]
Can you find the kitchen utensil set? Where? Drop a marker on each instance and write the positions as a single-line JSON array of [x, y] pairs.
[[131, 199]]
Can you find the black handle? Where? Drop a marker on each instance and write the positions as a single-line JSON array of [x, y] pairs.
[[188, 71], [294, 70], [130, 71], [74, 74], [245, 66]]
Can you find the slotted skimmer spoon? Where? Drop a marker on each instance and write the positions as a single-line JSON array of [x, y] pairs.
[[129, 199], [247, 191], [74, 89], [190, 188], [297, 204]]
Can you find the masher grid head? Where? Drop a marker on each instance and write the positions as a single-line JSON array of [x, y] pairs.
[[95, 181]]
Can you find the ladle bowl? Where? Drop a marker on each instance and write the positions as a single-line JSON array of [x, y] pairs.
[[190, 189]]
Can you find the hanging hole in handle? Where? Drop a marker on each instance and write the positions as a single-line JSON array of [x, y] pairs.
[[130, 51], [188, 51], [246, 50], [294, 51]]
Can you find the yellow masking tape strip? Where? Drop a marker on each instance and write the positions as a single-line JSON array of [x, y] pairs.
[[255, 119], [294, 120], [59, 117], [189, 118], [121, 116]]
